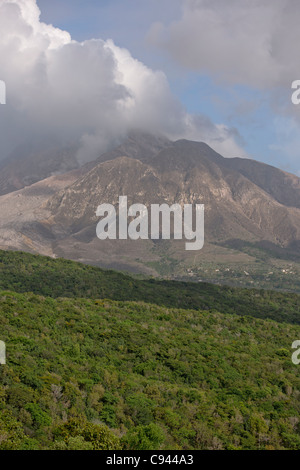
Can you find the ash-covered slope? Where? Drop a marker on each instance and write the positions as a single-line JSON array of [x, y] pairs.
[[28, 165], [249, 206], [186, 173]]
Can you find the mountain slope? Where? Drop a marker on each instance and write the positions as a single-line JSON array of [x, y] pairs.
[[184, 172], [252, 218], [283, 187], [86, 374], [23, 272], [30, 165], [93, 373]]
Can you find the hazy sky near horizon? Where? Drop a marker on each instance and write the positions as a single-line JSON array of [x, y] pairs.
[[207, 70]]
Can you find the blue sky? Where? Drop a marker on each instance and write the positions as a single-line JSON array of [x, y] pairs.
[[266, 121]]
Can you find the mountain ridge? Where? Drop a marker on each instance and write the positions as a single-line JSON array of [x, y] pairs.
[[57, 216]]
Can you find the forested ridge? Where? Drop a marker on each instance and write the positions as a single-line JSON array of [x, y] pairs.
[[177, 366], [23, 272]]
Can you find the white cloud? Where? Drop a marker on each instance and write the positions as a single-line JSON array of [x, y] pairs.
[[59, 89], [252, 42]]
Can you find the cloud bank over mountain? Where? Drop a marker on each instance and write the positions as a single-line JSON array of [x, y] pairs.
[[246, 46], [252, 42], [60, 90]]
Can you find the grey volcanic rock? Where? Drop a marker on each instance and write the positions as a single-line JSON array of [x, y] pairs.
[[104, 184], [186, 173], [283, 186]]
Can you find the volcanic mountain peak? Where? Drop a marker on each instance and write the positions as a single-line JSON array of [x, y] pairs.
[[181, 173], [28, 165], [242, 207]]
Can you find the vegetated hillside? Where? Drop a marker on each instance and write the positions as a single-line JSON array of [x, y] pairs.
[[23, 272], [100, 374]]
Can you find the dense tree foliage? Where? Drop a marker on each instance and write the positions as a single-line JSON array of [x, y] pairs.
[[23, 272], [103, 374], [97, 360]]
